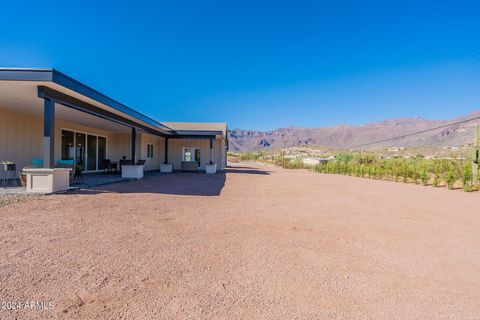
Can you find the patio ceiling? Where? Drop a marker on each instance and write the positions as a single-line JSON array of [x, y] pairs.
[[22, 90], [26, 84], [21, 97]]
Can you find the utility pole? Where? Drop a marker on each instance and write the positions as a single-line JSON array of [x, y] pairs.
[[476, 156], [283, 154]]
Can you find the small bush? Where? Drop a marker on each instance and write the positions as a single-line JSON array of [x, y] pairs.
[[450, 178], [424, 175], [467, 177]]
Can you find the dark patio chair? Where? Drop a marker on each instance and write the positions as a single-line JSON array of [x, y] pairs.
[[10, 173], [124, 162], [109, 166], [78, 176]]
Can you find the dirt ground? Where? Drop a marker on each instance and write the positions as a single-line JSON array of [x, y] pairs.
[[257, 242]]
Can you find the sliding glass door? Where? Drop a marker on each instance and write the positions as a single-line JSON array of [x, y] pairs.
[[87, 150], [68, 142], [102, 152], [91, 153], [80, 144]]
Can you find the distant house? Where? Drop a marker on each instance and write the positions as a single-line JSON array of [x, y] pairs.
[[314, 161]]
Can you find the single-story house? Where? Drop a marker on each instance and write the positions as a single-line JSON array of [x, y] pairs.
[[47, 115]]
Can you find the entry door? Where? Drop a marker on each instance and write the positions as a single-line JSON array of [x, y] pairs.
[[191, 154], [197, 157]]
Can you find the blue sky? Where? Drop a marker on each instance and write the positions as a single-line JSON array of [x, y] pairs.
[[259, 64]]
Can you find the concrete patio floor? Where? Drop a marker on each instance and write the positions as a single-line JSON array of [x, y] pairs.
[[89, 180]]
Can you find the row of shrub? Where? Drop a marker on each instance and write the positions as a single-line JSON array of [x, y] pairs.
[[417, 170], [435, 172]]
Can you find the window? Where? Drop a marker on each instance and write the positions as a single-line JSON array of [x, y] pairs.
[[187, 155], [150, 151], [191, 155]]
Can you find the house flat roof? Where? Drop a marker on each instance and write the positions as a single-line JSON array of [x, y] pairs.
[[175, 129], [198, 128], [57, 77]]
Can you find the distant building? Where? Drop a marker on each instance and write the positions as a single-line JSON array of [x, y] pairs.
[[314, 161]]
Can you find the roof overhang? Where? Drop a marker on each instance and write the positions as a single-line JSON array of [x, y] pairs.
[[72, 93], [199, 132]]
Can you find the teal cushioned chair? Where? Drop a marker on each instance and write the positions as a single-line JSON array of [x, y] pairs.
[[37, 163]]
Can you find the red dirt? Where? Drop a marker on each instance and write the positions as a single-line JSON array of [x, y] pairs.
[[270, 243]]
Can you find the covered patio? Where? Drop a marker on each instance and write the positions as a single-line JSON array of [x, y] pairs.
[[52, 125]]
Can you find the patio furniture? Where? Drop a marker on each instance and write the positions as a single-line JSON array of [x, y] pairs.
[[124, 162], [68, 164], [10, 172], [166, 167], [23, 177], [78, 177], [47, 180], [37, 163], [189, 166], [131, 170], [109, 166], [211, 168]]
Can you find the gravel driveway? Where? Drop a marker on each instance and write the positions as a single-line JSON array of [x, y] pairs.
[[256, 242]]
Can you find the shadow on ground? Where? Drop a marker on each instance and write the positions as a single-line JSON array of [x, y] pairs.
[[176, 183]]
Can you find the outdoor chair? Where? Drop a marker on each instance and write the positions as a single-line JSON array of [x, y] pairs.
[[124, 162], [10, 173], [109, 166], [37, 163], [78, 177]]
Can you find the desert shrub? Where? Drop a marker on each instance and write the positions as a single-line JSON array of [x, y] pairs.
[[294, 164], [249, 156], [424, 175], [416, 173], [467, 177], [450, 178], [436, 180], [436, 174], [369, 165]]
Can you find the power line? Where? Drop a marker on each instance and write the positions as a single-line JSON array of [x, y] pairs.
[[414, 133]]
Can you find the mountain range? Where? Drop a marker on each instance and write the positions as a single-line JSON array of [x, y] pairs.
[[451, 133]]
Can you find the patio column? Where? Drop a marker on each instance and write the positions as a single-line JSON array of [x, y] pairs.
[[211, 151], [134, 145], [49, 133], [166, 151]]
